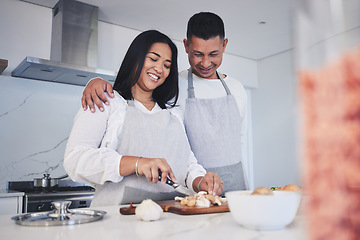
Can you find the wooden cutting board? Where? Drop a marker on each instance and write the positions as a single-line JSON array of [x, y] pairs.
[[175, 207], [3, 65]]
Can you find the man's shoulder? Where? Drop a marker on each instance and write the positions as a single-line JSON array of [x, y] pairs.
[[235, 86], [233, 80], [183, 74], [183, 79]]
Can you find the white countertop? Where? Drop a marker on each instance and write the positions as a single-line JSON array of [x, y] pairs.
[[170, 226]]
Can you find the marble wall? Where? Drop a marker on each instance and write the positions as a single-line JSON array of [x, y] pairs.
[[36, 118]]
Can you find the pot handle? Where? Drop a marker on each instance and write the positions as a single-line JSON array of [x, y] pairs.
[[61, 177], [46, 176]]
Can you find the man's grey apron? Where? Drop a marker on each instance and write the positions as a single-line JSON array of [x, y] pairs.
[[214, 132], [159, 135]]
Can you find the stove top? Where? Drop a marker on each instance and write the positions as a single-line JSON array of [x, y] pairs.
[[63, 186], [38, 199]]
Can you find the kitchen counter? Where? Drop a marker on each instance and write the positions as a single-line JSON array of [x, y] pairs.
[[170, 226], [11, 202], [9, 193]]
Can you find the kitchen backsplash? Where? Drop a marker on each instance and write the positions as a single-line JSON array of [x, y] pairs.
[[36, 118]]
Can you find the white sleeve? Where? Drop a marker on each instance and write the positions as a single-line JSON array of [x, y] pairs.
[[239, 92], [244, 122], [86, 160]]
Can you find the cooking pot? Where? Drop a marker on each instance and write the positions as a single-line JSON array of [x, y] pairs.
[[47, 181]]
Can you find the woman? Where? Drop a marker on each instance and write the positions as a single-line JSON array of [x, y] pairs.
[[122, 149]]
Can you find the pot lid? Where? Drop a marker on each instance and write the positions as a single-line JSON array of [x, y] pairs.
[[60, 216]]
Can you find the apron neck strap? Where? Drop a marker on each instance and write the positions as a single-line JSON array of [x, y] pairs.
[[191, 92]]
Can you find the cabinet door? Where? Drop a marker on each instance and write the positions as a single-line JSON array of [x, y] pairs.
[[10, 205]]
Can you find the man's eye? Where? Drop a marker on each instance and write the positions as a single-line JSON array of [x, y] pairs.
[[214, 54]]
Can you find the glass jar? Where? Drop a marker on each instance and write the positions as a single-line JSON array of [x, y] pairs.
[[327, 51]]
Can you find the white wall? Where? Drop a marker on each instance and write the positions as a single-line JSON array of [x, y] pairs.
[[274, 116], [36, 116], [319, 35]]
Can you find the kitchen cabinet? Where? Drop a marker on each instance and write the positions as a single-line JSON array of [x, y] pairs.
[[11, 202]]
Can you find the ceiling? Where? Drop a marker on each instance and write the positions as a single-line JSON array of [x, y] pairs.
[[255, 28]]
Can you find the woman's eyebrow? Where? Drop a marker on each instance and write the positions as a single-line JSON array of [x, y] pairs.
[[155, 54]]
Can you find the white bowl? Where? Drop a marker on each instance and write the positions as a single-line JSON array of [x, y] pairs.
[[263, 212]]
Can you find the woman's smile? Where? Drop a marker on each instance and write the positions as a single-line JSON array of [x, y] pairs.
[[154, 77]]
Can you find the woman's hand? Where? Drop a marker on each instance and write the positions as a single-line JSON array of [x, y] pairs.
[[150, 168], [94, 92], [211, 183]]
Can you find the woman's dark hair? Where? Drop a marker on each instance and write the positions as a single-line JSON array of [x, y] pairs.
[[165, 95], [205, 25]]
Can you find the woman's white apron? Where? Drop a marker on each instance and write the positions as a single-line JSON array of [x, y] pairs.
[[159, 135]]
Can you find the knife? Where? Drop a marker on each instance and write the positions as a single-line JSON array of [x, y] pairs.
[[177, 187]]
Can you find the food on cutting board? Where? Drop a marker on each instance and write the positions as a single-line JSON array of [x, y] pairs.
[[201, 199], [269, 191], [148, 210]]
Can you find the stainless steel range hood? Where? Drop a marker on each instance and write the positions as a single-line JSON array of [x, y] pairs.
[[73, 57]]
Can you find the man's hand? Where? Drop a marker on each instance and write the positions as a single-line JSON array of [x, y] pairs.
[[94, 92], [211, 183]]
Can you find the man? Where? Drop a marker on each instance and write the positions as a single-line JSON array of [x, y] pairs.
[[214, 105]]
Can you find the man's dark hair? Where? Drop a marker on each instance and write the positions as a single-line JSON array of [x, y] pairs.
[[133, 63], [205, 25]]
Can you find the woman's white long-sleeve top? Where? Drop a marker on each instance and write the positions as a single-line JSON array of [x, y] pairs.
[[91, 155]]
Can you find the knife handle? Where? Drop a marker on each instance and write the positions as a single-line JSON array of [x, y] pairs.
[[168, 180]]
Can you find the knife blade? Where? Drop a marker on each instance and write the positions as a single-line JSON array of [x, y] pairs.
[[177, 187]]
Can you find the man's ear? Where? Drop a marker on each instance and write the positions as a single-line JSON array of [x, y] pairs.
[[185, 41], [225, 43]]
